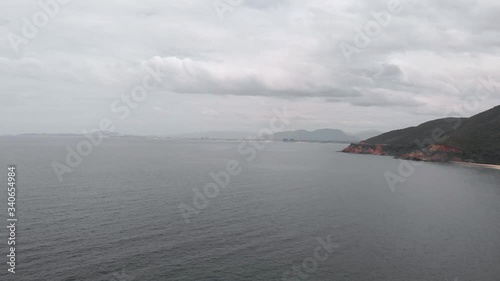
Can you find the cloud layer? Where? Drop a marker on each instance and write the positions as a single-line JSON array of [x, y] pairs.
[[229, 74]]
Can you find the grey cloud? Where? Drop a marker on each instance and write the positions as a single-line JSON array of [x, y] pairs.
[[287, 50]]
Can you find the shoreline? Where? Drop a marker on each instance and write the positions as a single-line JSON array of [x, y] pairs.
[[487, 166], [459, 163]]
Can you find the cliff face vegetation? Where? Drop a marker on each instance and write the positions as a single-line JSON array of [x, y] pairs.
[[475, 139]]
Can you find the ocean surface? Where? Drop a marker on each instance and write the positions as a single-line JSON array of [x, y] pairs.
[[116, 216]]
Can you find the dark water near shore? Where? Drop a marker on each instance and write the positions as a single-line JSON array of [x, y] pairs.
[[116, 216]]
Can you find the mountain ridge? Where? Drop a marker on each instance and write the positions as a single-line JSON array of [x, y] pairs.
[[320, 135], [475, 139]]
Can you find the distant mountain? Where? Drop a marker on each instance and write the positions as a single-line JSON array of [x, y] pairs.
[[322, 135], [50, 135], [105, 133], [219, 135], [475, 139]]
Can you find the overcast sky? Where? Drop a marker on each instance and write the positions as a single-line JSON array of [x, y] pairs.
[[230, 72]]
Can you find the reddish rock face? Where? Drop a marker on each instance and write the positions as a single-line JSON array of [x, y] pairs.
[[379, 150], [353, 149], [417, 155], [433, 153], [364, 148], [443, 148]]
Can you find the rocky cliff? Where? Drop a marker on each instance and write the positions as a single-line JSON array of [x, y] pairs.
[[433, 153], [475, 139]]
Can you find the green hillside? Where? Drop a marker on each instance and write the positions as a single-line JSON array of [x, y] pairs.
[[408, 136], [478, 136]]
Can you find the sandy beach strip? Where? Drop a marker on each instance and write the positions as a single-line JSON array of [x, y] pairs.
[[488, 166]]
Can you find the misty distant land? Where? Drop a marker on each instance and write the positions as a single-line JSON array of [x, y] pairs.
[[320, 135], [465, 140]]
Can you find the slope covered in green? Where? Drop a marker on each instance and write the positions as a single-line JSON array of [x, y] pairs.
[[424, 131], [478, 136]]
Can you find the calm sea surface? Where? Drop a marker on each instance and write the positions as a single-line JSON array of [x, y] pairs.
[[117, 216]]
